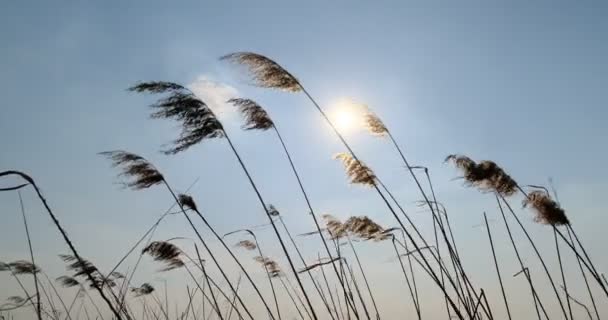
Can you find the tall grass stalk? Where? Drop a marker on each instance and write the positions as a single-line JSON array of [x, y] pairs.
[[31, 250], [502, 287], [257, 244], [537, 302], [64, 235]]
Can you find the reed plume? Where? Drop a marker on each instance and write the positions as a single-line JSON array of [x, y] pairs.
[[144, 289], [67, 281], [197, 120], [272, 267], [374, 124], [256, 118], [165, 252], [356, 170], [246, 244], [546, 209], [20, 267], [142, 174], [264, 72], [485, 175]]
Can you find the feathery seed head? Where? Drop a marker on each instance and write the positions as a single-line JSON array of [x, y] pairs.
[[197, 120], [546, 209], [246, 244], [165, 252], [264, 72], [142, 174], [255, 116], [67, 281], [357, 171], [187, 201], [485, 175], [23, 267], [145, 289], [374, 124]]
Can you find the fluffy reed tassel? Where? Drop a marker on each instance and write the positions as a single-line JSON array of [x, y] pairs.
[[67, 281], [272, 266], [546, 209], [198, 122], [145, 289], [256, 118], [21, 267], [357, 171], [165, 252], [140, 173], [374, 124], [485, 175], [264, 72], [246, 244]]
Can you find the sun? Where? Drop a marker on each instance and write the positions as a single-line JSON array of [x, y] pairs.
[[345, 116]]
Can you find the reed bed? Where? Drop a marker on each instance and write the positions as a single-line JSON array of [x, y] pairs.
[[333, 280]]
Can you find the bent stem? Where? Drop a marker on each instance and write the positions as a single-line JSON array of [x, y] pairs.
[[65, 237], [29, 244]]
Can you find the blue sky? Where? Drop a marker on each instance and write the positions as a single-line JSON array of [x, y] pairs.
[[520, 83]]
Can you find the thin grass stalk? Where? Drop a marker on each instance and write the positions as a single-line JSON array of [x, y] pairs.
[[58, 296], [578, 261], [232, 306], [257, 244], [453, 257], [407, 280], [561, 269], [603, 286], [340, 304], [74, 301], [369, 289], [331, 296], [579, 303], [213, 300], [411, 267], [86, 312], [208, 280], [323, 295], [538, 255], [295, 293], [293, 301], [349, 293], [308, 203], [591, 267], [29, 244], [274, 227], [219, 238], [218, 265], [50, 301], [431, 272], [428, 202], [347, 146], [308, 271], [502, 287], [537, 302], [357, 290], [63, 234]]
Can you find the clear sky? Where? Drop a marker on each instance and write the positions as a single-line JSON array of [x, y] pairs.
[[522, 83]]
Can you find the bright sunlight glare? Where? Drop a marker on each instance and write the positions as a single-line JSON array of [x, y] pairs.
[[346, 116]]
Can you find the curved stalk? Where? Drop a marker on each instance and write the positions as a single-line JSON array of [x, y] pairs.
[[29, 245], [64, 235]]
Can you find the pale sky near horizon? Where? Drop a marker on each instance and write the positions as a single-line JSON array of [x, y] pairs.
[[521, 83]]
